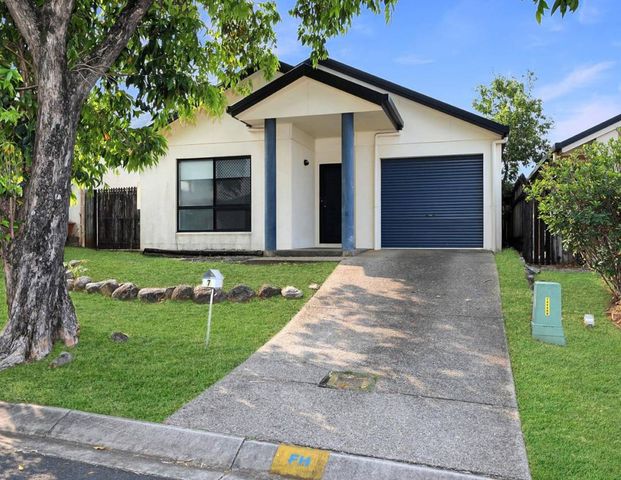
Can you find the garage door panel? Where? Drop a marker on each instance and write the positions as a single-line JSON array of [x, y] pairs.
[[432, 202]]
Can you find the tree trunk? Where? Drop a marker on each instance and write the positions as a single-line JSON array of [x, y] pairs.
[[40, 311]]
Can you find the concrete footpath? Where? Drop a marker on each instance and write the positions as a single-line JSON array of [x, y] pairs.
[[170, 452], [424, 330]]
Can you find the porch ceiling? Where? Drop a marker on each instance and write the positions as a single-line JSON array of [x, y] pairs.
[[320, 126]]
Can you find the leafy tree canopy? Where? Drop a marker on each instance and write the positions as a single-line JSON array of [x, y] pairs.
[[510, 101], [183, 56]]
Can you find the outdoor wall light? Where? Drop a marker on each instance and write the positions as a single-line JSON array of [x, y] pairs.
[[306, 163]]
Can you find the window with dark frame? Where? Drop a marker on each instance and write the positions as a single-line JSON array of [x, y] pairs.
[[213, 195]]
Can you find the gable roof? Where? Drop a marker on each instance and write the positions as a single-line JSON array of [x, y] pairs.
[[305, 69], [588, 132], [417, 97]]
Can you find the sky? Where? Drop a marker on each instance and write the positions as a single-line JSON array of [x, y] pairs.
[[445, 48]]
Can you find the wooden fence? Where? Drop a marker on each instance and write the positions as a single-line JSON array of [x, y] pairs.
[[112, 219], [530, 235]]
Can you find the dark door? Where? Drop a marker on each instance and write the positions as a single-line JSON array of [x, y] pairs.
[[330, 203], [432, 202]]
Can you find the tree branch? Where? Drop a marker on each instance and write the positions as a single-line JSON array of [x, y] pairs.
[[100, 59], [27, 19]]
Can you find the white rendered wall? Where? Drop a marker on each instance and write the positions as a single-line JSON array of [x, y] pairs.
[[303, 179], [204, 138]]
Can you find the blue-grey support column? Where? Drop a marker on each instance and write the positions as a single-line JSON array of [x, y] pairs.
[[270, 186], [348, 184]]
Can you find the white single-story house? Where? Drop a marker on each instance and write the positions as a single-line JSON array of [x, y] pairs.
[[326, 157]]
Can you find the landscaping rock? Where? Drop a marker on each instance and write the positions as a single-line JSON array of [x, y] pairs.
[[108, 287], [93, 287], [81, 282], [119, 337], [126, 291], [70, 284], [531, 280], [75, 263], [533, 270], [268, 291], [152, 295], [63, 359], [314, 286], [292, 292], [169, 292], [202, 294], [241, 293], [183, 292], [68, 274]]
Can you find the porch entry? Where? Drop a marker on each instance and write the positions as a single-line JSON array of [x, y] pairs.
[[330, 203]]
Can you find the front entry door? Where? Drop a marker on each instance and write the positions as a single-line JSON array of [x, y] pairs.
[[330, 203]]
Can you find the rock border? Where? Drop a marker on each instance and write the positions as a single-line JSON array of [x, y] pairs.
[[126, 291]]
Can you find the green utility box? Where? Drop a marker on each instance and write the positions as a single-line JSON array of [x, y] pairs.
[[546, 323]]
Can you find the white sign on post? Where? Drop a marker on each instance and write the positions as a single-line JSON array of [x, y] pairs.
[[212, 279]]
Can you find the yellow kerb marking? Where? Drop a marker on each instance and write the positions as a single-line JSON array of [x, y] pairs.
[[300, 462], [547, 307]]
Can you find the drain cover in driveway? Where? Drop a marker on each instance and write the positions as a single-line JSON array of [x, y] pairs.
[[363, 382]]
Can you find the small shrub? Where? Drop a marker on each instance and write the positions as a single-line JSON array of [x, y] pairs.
[[580, 199], [76, 269]]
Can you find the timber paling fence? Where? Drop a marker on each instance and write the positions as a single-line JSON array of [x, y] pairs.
[[530, 235], [112, 219]]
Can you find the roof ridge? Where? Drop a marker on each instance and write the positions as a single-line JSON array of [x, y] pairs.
[[415, 96]]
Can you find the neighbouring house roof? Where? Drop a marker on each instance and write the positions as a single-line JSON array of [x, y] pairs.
[[587, 133], [306, 69]]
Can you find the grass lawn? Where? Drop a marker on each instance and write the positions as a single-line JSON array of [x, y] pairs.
[[164, 364], [569, 397]]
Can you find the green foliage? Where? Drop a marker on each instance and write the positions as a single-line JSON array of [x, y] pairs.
[[562, 6], [322, 19], [580, 199], [568, 397], [164, 364], [11, 153], [510, 101]]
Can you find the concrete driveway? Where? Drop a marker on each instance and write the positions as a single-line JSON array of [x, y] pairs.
[[428, 325]]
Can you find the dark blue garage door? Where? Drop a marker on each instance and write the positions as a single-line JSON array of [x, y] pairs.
[[432, 202]]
